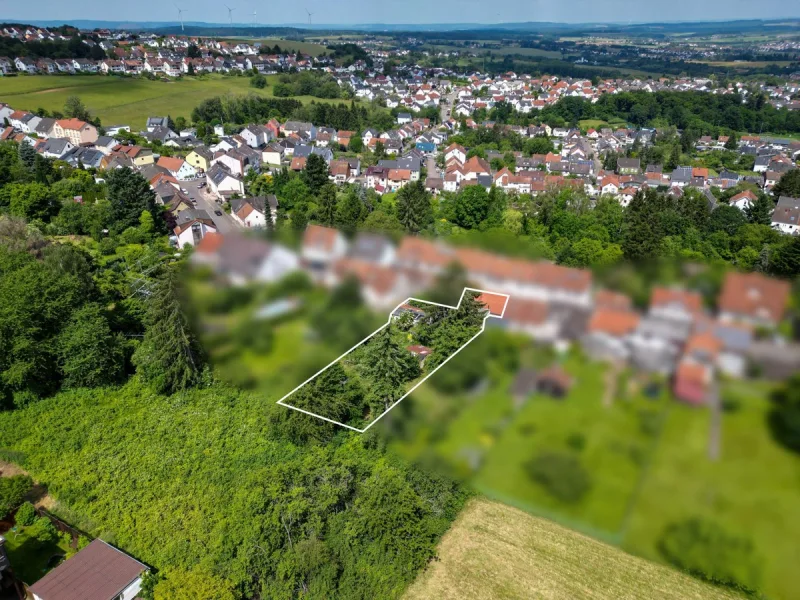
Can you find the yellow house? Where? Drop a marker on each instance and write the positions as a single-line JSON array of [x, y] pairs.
[[140, 156], [200, 158]]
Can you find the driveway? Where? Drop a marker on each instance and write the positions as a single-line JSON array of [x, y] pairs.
[[206, 201]]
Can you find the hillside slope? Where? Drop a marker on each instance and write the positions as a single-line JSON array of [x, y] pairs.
[[493, 551]]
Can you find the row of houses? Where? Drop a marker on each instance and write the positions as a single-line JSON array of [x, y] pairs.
[[679, 335]]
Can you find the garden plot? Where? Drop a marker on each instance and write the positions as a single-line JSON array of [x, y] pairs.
[[366, 382]]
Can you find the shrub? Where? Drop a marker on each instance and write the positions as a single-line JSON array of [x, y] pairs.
[[705, 550], [26, 514], [562, 475], [576, 441], [13, 491], [42, 531]]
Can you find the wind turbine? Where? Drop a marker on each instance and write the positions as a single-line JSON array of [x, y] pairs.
[[230, 13], [309, 16], [254, 18], [180, 15]]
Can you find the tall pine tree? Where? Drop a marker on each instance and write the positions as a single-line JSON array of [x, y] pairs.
[[169, 358]]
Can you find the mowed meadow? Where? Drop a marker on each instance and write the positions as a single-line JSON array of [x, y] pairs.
[[127, 100], [498, 552]]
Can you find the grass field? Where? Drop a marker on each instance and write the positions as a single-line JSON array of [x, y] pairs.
[[496, 552], [126, 100]]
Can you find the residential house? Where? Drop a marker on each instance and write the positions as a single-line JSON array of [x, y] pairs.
[[321, 247], [192, 226], [200, 158], [743, 200], [155, 122], [786, 216], [56, 147], [609, 333], [97, 572], [177, 167], [76, 131], [372, 247], [254, 212], [222, 182], [140, 155], [629, 166], [753, 299], [243, 259]]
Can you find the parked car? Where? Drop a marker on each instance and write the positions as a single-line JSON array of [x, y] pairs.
[[218, 213], [202, 184]]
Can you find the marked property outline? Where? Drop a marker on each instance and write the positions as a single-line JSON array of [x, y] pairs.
[[489, 315]]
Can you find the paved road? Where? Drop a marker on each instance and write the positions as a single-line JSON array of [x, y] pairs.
[[445, 104], [205, 201]]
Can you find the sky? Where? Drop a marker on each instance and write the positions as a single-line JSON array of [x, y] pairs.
[[272, 12]]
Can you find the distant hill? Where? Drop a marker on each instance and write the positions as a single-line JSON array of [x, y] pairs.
[[244, 29], [495, 551]]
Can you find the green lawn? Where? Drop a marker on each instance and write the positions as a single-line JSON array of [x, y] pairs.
[[28, 558], [647, 459], [754, 488], [126, 100]]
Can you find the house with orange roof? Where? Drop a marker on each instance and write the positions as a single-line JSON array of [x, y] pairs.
[[609, 332], [177, 167], [753, 299], [78, 132], [675, 304]]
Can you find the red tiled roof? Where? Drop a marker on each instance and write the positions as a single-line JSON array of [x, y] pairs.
[[754, 295], [691, 301], [614, 300], [319, 237], [495, 303], [170, 163], [613, 322], [210, 243]]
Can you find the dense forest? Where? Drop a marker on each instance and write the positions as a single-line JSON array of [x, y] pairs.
[[252, 108], [706, 113], [72, 48], [307, 83]]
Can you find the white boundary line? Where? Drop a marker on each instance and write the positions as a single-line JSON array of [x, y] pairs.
[[419, 383]]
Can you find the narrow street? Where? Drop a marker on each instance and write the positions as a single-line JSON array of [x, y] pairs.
[[205, 201]]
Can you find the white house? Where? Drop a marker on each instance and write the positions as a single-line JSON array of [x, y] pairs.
[[252, 212], [786, 216], [178, 168], [222, 182], [193, 225]]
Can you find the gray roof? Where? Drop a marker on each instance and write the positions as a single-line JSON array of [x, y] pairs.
[[45, 125], [257, 202], [404, 162], [682, 174], [218, 173], [305, 151], [369, 246], [105, 140], [190, 214], [787, 211], [56, 146]]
